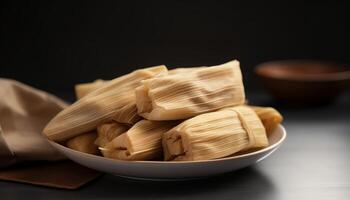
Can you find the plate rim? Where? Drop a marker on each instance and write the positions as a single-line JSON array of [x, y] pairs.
[[279, 142]]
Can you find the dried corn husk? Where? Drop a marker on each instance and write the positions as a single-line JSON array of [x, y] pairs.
[[84, 143], [99, 106], [107, 132], [182, 70], [127, 114], [85, 88], [215, 135], [187, 93], [269, 116], [143, 141]]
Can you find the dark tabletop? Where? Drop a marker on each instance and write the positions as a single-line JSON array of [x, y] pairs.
[[313, 163]]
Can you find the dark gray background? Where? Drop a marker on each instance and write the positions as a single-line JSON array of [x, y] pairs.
[[54, 44]]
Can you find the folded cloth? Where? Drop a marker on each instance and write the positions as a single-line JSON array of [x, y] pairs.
[[24, 112], [63, 174]]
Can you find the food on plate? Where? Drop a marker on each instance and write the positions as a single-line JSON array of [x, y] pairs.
[[108, 131], [215, 135], [83, 89], [183, 114], [269, 116], [99, 106], [84, 143], [143, 141], [187, 93]]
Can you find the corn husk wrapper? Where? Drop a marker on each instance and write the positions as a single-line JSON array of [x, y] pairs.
[[269, 116], [107, 132], [143, 141], [182, 70], [128, 114], [84, 143], [186, 93], [215, 135], [83, 89], [100, 106]]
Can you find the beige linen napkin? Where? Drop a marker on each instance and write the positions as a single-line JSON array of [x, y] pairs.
[[24, 112]]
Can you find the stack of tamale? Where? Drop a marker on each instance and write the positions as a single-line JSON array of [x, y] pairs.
[[182, 114]]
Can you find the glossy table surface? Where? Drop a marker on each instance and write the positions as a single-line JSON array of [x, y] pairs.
[[313, 163]]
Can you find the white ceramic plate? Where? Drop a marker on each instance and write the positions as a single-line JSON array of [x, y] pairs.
[[174, 170]]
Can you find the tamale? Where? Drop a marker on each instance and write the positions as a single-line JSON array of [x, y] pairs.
[[84, 143], [99, 106], [215, 135], [187, 93], [83, 89], [183, 70], [108, 131], [127, 114], [269, 116], [143, 141]]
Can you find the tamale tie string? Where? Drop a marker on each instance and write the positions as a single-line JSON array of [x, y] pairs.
[[245, 125]]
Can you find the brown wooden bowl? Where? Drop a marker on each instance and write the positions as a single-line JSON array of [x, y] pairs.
[[304, 82]]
